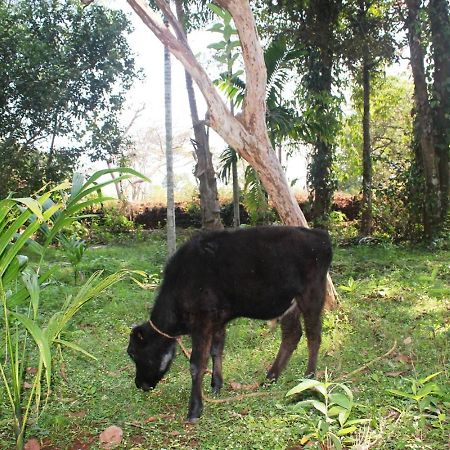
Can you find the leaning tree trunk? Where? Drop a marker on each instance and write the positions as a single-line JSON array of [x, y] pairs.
[[428, 153], [171, 237], [366, 215], [204, 170], [248, 133], [440, 39]]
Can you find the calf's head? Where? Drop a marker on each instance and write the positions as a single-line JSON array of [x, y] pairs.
[[152, 354]]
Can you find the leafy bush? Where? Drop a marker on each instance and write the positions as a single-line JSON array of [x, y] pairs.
[[335, 404], [26, 338]]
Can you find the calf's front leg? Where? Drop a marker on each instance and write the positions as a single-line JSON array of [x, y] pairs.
[[201, 344], [218, 342]]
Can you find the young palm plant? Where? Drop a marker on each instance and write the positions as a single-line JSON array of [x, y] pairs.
[[283, 122], [25, 339]]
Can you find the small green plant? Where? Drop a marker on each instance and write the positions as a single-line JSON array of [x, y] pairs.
[[426, 396], [74, 249], [350, 287], [25, 339], [334, 402]]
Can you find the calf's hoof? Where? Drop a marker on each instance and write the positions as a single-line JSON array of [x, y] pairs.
[[192, 419], [271, 377], [194, 414]]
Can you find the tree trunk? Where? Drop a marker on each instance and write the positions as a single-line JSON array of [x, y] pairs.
[[236, 194], [204, 170], [366, 215], [171, 236], [440, 39], [428, 152], [324, 14], [248, 134]]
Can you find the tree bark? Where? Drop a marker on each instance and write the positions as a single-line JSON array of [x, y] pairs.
[[428, 158], [204, 170], [323, 16], [248, 134], [440, 39], [366, 215], [170, 224]]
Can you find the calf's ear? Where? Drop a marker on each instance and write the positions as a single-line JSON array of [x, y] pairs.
[[138, 334]]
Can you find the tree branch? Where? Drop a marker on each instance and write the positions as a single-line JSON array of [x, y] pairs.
[[254, 105]]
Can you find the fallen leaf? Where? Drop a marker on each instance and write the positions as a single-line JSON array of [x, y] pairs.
[[32, 370], [111, 437], [403, 358], [151, 419], [408, 340], [63, 372], [392, 414], [235, 386], [174, 433], [32, 444], [394, 374], [27, 385]]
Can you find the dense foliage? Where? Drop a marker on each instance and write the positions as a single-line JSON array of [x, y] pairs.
[[64, 70]]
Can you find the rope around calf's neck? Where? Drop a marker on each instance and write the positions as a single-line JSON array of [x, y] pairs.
[[168, 336]]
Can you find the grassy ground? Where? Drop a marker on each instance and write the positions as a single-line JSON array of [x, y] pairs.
[[389, 295]]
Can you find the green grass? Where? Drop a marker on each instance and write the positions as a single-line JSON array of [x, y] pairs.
[[389, 294]]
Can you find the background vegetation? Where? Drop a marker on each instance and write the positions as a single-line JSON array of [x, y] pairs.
[[388, 295]]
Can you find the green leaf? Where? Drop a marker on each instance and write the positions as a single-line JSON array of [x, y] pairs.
[[320, 406], [75, 347], [217, 10], [303, 386], [31, 282], [429, 377], [346, 431], [22, 294], [341, 400], [218, 45], [33, 205], [41, 341], [336, 441], [216, 28], [335, 411], [401, 393], [357, 422], [343, 416], [78, 180], [14, 269], [429, 389]]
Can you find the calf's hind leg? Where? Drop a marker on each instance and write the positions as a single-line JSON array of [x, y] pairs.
[[291, 332], [311, 308]]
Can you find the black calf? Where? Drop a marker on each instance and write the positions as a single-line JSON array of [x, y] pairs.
[[218, 276]]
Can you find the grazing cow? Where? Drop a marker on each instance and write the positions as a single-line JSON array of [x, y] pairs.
[[218, 276]]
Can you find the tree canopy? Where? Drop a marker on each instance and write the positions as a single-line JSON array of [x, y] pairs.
[[64, 70]]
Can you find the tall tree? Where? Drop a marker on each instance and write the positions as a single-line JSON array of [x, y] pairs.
[[427, 150], [204, 169], [171, 234], [248, 133], [52, 112], [438, 12], [368, 44], [322, 17]]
